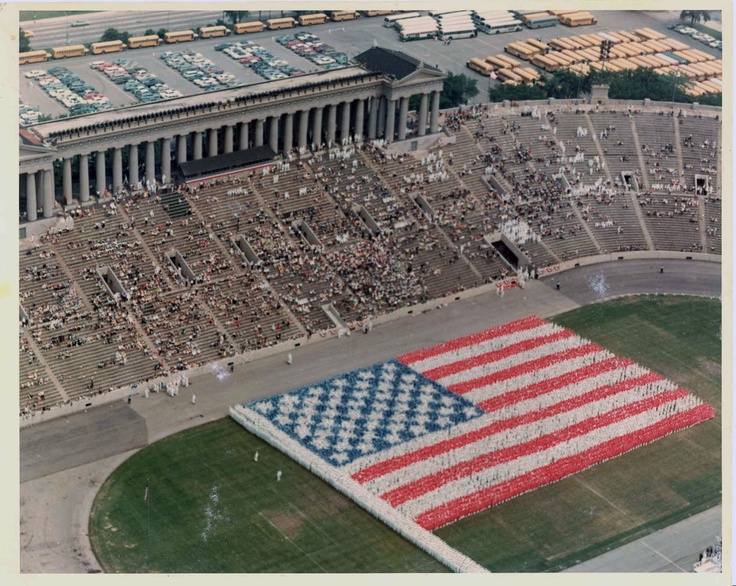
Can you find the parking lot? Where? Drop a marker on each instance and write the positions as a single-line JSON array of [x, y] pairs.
[[351, 38]]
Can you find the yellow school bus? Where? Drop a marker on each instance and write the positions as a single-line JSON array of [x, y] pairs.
[[145, 41], [249, 27], [107, 47], [33, 57], [210, 32], [310, 19], [179, 36], [69, 51], [480, 66], [275, 24]]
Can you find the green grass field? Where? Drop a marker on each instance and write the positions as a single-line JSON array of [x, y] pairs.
[[211, 508], [31, 15]]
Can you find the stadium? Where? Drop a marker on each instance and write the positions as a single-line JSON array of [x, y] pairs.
[[538, 273]]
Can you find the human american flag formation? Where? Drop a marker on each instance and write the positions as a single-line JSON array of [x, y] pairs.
[[447, 431]]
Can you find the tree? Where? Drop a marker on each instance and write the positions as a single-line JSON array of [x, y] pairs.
[[504, 91], [149, 31], [235, 16], [565, 84], [113, 34], [695, 16], [457, 90], [24, 44], [161, 32]]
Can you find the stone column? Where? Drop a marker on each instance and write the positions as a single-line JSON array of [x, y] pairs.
[[150, 162], [288, 132], [100, 174], [382, 102], [359, 118], [373, 118], [83, 178], [133, 164], [39, 187], [67, 181], [273, 134], [403, 113], [197, 146], [31, 204], [117, 169], [331, 123], [435, 115], [228, 147], [259, 133], [181, 149], [390, 115], [345, 122], [243, 142], [317, 127], [303, 128], [423, 115], [166, 160], [212, 143], [48, 193]]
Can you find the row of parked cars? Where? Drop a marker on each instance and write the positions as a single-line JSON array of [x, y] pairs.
[[145, 86], [709, 40], [311, 47], [27, 114], [70, 90], [259, 59], [199, 70]]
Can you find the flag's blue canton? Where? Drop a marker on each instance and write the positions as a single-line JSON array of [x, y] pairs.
[[365, 411]]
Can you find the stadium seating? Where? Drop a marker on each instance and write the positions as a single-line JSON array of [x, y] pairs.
[[391, 229]]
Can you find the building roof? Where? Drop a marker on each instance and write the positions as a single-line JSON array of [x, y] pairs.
[[201, 100], [394, 63], [226, 162]]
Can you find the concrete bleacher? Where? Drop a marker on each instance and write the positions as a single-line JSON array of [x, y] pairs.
[[659, 149], [714, 225], [673, 221], [614, 133], [700, 149], [389, 237]]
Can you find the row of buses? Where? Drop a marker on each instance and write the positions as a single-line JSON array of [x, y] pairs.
[[505, 69], [206, 32]]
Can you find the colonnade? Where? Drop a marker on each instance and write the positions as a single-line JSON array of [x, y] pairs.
[[313, 127]]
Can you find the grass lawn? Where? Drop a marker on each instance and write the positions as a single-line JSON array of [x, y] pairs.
[[625, 498], [212, 508], [707, 30], [31, 15]]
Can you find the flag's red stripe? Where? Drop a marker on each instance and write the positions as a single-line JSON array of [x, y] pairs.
[[414, 489], [526, 323], [552, 384], [525, 367], [496, 355], [387, 466], [472, 503]]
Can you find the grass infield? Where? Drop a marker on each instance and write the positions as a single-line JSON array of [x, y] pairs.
[[212, 508]]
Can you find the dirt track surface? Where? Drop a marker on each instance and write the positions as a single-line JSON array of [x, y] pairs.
[[63, 462]]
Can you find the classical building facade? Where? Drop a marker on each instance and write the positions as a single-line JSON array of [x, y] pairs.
[[101, 153]]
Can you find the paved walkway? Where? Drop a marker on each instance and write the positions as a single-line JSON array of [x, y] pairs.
[[63, 462], [668, 550]]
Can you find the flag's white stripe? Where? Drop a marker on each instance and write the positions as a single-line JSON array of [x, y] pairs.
[[484, 347], [504, 413], [503, 472], [512, 437], [513, 360], [512, 384], [607, 378]]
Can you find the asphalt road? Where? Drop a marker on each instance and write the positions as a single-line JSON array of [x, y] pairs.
[[351, 37], [63, 462]]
